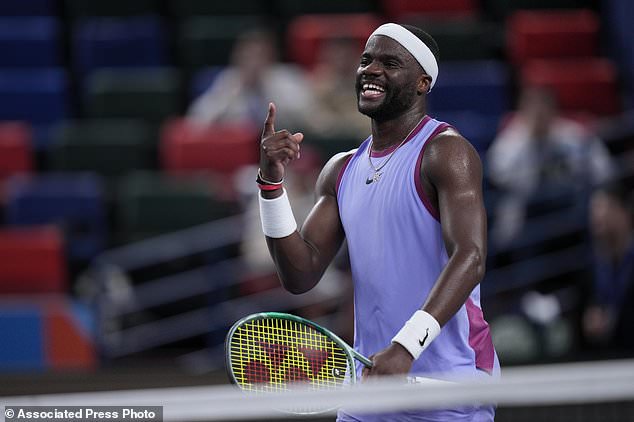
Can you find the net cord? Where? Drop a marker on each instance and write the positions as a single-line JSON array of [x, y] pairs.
[[593, 382]]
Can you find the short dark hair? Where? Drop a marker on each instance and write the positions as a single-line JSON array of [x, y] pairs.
[[426, 38]]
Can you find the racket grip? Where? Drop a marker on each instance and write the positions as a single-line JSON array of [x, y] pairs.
[[367, 362]]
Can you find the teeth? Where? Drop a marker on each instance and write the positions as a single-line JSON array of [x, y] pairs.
[[373, 87]]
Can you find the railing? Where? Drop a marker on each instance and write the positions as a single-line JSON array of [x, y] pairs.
[[122, 334]]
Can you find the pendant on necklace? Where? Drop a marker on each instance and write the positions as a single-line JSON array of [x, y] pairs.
[[375, 178]]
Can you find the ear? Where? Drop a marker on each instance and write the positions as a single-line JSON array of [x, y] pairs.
[[424, 83]]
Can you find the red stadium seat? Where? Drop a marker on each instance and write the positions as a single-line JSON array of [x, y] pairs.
[[582, 85], [16, 155], [552, 34], [220, 148], [32, 261], [396, 10], [307, 32]]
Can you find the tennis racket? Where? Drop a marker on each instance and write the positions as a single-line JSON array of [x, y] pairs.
[[271, 351]]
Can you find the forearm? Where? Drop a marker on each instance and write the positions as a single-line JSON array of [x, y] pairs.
[[464, 270], [297, 262], [300, 258]]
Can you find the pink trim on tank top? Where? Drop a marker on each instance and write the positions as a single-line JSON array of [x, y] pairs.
[[419, 186], [480, 338], [343, 169]]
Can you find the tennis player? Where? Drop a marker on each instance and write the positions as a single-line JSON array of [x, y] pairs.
[[409, 203]]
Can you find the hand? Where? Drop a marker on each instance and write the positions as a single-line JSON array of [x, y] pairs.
[[394, 359], [277, 149]]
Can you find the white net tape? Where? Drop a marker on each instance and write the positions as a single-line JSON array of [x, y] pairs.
[[535, 385]]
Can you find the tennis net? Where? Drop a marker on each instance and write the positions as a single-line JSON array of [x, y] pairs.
[[585, 392]]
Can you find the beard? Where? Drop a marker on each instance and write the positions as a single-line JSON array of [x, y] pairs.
[[396, 101]]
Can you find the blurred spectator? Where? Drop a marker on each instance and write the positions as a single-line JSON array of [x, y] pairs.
[[539, 150], [253, 79], [332, 83], [609, 319]]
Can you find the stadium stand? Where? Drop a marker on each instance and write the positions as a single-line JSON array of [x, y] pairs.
[[78, 8], [72, 202], [30, 42], [484, 38], [149, 204], [20, 248], [207, 40], [398, 10], [552, 35], [464, 84], [16, 149], [111, 147], [570, 85], [38, 96], [306, 32], [201, 80], [28, 8], [220, 148], [187, 8], [289, 8], [118, 42], [152, 94]]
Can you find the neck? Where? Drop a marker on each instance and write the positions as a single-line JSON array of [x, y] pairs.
[[388, 133]]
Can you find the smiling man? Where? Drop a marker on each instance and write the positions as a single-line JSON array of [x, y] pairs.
[[409, 204]]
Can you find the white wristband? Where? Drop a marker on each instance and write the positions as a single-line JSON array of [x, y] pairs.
[[277, 216], [418, 333]]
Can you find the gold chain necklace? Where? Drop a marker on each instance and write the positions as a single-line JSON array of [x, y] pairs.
[[377, 170]]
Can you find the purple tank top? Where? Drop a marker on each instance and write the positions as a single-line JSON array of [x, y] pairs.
[[397, 253]]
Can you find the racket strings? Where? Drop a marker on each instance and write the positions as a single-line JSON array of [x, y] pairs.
[[271, 354]]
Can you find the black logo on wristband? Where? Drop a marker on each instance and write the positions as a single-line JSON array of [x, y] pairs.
[[422, 342]]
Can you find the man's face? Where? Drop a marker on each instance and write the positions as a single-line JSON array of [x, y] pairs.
[[387, 79]]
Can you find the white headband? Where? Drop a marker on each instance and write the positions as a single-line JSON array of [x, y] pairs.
[[414, 45]]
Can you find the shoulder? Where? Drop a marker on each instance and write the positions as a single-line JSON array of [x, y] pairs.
[[327, 180], [449, 153]]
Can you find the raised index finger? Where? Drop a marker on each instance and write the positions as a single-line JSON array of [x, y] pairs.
[[269, 128]]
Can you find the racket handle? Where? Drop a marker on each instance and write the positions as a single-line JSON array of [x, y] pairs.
[[367, 362]]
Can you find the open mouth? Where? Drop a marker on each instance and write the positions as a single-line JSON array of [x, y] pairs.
[[372, 90]]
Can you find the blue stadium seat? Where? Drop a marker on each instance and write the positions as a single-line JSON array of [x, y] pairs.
[[479, 129], [74, 201], [479, 86], [621, 32], [37, 96], [24, 343], [118, 42], [28, 7], [202, 80], [75, 9], [29, 42]]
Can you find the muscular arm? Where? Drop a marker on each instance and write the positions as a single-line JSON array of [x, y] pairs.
[[452, 173], [302, 257]]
